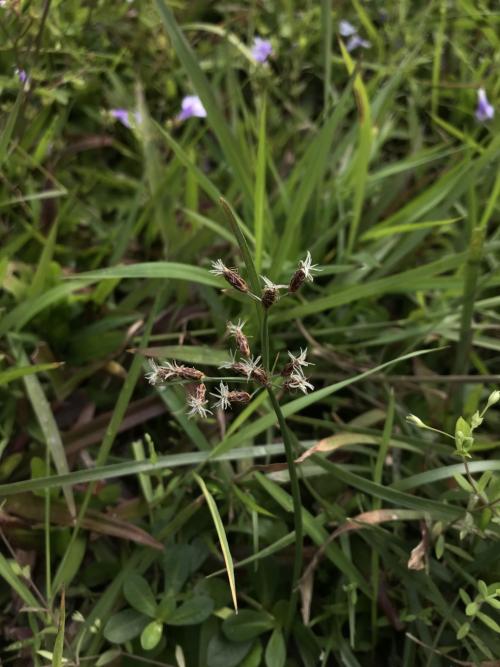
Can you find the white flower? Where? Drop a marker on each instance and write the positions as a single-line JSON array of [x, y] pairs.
[[308, 267], [300, 359], [249, 366], [197, 405], [231, 362], [270, 285], [218, 268], [223, 397], [153, 376], [235, 329], [297, 380]]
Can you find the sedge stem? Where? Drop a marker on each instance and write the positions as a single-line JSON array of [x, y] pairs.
[[294, 482]]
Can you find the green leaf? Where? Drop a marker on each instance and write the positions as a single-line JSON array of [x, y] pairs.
[[221, 533], [224, 653], [153, 271], [151, 635], [70, 566], [216, 118], [472, 609], [488, 621], [483, 588], [254, 658], [192, 612], [276, 650], [16, 373], [139, 595], [463, 435], [247, 624], [57, 658], [463, 630], [253, 278], [41, 408], [16, 584], [124, 626], [107, 657]]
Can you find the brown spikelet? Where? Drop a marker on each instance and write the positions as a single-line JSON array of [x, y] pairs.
[[296, 280], [269, 296], [239, 396], [260, 376], [189, 373], [239, 368], [235, 280], [242, 342], [201, 391], [288, 369]]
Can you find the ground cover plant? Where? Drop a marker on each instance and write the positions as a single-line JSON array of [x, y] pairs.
[[187, 187]]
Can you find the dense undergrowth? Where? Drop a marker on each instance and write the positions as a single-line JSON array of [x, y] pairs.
[[129, 532]]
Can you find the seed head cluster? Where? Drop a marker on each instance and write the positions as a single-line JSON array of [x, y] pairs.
[[241, 362]]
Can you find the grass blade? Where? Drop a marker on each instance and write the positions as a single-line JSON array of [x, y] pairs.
[[202, 87], [221, 533], [43, 413]]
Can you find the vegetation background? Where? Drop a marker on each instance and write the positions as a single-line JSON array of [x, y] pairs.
[[375, 161]]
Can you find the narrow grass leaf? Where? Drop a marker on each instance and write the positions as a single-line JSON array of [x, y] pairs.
[[221, 533], [202, 87], [57, 655], [45, 418]]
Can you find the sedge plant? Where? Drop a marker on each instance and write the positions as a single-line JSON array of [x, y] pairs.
[[254, 370]]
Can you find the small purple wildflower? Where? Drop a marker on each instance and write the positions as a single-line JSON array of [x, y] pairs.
[[356, 41], [21, 75], [261, 49], [125, 117], [484, 110], [191, 107], [346, 29]]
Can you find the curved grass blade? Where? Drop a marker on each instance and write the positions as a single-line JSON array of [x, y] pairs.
[[153, 270], [202, 87], [45, 418], [221, 533]]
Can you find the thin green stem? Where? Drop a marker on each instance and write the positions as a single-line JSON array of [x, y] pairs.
[[48, 574], [294, 481], [297, 510], [264, 340]]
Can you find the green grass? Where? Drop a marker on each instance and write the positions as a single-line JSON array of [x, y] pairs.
[[130, 533]]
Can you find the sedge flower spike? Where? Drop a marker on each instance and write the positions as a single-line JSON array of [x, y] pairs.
[[304, 272], [196, 405], [270, 293], [484, 110], [236, 331], [230, 275], [298, 380], [191, 107], [222, 397], [261, 50]]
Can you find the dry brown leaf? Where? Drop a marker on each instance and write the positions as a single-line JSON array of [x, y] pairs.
[[337, 441]]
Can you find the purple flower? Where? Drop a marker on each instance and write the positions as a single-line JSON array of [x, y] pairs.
[[261, 49], [21, 75], [191, 107], [484, 110], [125, 117], [356, 41], [346, 29]]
